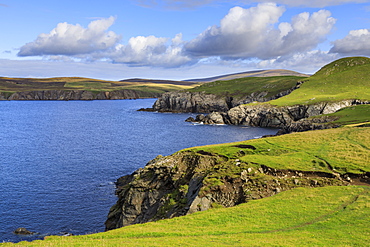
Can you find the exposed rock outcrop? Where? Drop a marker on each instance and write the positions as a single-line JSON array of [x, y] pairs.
[[23, 231], [288, 118], [187, 182], [199, 102], [76, 95]]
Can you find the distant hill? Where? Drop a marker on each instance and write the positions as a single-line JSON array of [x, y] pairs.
[[255, 73], [79, 88], [156, 81]]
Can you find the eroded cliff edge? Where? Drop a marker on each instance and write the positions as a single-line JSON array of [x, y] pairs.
[[188, 181], [201, 102], [76, 95], [289, 119]]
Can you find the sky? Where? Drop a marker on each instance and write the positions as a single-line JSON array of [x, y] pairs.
[[176, 39]]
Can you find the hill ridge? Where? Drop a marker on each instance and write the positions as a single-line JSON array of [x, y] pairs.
[[253, 73]]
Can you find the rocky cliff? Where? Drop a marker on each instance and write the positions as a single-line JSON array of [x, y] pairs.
[[188, 181], [288, 118], [76, 95], [199, 102]]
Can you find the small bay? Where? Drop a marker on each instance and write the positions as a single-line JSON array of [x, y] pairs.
[[59, 159]]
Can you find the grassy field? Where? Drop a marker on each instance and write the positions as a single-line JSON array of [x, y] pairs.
[[79, 83], [239, 88], [328, 216], [342, 150], [344, 79]]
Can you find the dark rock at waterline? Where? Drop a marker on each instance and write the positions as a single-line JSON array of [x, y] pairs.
[[190, 119], [23, 231]]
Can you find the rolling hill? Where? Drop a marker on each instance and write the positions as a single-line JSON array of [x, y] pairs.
[[256, 73]]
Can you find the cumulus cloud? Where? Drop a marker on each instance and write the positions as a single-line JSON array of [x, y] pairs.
[[306, 62], [94, 43], [243, 35], [150, 50], [68, 39], [196, 3], [357, 42], [250, 33]]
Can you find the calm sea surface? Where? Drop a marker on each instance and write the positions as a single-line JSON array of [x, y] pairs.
[[59, 159]]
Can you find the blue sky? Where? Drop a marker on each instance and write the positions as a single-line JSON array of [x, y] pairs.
[[175, 39]]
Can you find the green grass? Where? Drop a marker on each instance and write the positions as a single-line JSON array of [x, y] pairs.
[[344, 79], [328, 216], [351, 115], [343, 149], [239, 88]]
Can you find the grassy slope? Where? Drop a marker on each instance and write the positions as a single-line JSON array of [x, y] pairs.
[[344, 79], [342, 149], [353, 115], [328, 216], [245, 86], [78, 83]]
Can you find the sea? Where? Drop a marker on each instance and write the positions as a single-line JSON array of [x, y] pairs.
[[59, 160]]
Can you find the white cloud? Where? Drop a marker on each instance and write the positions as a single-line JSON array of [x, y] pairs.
[[250, 33], [305, 62], [357, 42], [150, 51], [243, 34], [68, 39], [94, 43], [196, 3]]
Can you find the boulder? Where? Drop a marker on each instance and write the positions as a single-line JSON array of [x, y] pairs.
[[23, 231]]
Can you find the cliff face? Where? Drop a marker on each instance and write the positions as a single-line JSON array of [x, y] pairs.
[[288, 118], [187, 182], [199, 102], [76, 95], [191, 102]]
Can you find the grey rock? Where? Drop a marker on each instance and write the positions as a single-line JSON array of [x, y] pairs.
[[288, 118]]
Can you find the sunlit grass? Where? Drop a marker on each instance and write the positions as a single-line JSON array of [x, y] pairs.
[[343, 79], [344, 149], [328, 216], [239, 88]]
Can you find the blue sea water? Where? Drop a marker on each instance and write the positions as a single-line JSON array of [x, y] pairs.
[[59, 159]]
